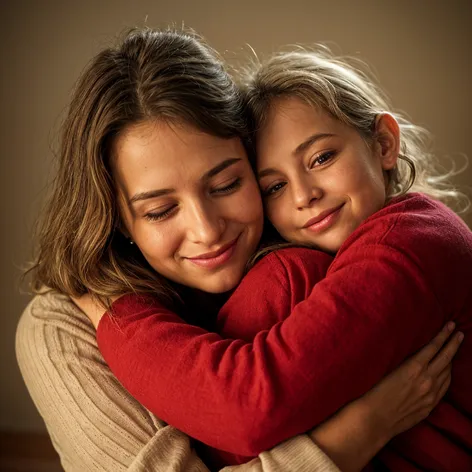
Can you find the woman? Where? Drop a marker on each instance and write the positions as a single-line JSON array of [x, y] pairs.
[[85, 244]]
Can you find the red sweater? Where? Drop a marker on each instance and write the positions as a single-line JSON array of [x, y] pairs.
[[391, 287]]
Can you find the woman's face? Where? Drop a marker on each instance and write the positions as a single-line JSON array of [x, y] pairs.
[[190, 202], [319, 179]]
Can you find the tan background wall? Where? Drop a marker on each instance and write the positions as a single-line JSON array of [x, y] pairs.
[[419, 49]]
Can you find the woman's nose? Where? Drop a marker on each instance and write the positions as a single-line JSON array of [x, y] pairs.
[[205, 225]]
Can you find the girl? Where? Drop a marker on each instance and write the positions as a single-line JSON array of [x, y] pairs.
[[136, 134], [328, 165]]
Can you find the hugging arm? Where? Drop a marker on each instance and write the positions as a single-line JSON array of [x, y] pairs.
[[94, 423], [288, 379]]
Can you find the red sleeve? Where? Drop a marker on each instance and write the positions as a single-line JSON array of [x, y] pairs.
[[270, 291], [367, 315]]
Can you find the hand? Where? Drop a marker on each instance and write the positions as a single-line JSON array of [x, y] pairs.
[[91, 307], [407, 395]]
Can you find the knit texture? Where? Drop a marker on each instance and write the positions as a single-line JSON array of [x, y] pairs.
[[95, 425]]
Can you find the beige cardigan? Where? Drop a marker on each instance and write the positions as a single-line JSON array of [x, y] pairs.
[[95, 425]]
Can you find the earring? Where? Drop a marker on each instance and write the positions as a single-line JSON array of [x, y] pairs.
[[131, 242]]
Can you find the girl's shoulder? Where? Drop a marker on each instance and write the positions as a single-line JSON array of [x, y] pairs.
[[411, 220], [416, 232]]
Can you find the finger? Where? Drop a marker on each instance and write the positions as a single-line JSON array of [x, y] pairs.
[[438, 382], [426, 354], [435, 395], [446, 354], [443, 389]]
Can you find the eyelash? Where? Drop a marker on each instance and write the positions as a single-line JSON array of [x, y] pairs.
[[271, 190], [235, 184], [159, 216], [328, 155]]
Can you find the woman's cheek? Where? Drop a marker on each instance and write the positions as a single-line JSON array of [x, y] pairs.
[[251, 203], [154, 242]]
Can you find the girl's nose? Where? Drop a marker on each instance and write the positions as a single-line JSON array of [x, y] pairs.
[[305, 192]]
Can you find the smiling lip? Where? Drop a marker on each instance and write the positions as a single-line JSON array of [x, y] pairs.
[[323, 220], [210, 260]]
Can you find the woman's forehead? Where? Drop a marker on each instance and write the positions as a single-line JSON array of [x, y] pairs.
[[158, 152]]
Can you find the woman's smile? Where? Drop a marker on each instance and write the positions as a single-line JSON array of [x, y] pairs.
[[215, 259], [193, 205]]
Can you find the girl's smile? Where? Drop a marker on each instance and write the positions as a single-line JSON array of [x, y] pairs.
[[319, 177], [324, 220]]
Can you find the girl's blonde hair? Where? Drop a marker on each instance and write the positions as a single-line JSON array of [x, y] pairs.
[[349, 94], [151, 75]]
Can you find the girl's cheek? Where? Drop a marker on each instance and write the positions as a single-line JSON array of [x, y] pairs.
[[255, 209], [273, 215]]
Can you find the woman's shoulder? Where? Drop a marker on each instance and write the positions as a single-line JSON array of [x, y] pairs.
[[49, 322], [52, 308]]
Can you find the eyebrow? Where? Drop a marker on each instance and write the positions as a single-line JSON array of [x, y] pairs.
[[220, 167], [166, 191], [300, 149], [151, 194]]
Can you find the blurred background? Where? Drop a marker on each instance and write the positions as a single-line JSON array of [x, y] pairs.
[[419, 50]]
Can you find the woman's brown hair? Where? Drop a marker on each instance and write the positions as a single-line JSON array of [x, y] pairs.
[[151, 75]]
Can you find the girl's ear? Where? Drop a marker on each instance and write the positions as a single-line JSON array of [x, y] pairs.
[[387, 136]]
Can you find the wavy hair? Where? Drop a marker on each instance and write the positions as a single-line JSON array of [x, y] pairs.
[[342, 88], [150, 75]]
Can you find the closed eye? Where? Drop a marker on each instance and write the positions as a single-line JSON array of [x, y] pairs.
[[157, 216], [235, 184]]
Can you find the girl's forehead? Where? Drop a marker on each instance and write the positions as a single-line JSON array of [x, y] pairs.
[[291, 119], [297, 111]]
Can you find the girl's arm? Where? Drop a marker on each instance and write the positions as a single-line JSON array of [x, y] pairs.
[[94, 423], [246, 397], [358, 431]]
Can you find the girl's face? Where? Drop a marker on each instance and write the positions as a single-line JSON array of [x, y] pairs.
[[319, 178], [190, 202]]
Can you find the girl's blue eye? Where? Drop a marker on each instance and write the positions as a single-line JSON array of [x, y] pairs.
[[322, 159], [274, 189], [235, 184], [160, 215]]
